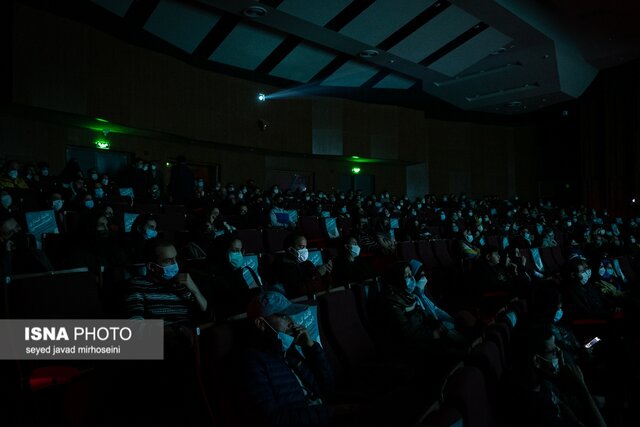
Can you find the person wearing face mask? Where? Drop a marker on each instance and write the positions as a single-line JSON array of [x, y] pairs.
[[585, 298], [143, 235], [548, 239], [545, 391], [10, 177], [468, 248], [413, 337], [94, 245], [429, 307], [155, 176], [294, 270], [349, 266], [6, 202], [234, 282], [56, 203], [279, 216], [287, 376], [16, 256], [167, 294], [92, 178]]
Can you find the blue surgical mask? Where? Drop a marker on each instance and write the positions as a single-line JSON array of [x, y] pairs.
[[410, 282], [443, 217], [99, 192], [57, 204], [88, 204], [286, 340], [105, 181], [558, 315], [13, 174], [150, 233], [44, 172], [170, 271], [469, 238], [355, 250], [6, 201], [527, 236], [420, 284], [236, 259]]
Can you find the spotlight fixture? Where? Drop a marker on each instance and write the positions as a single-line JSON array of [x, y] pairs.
[[262, 97], [368, 53], [254, 12], [355, 171]]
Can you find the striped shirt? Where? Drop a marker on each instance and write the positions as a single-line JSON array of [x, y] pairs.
[[172, 302]]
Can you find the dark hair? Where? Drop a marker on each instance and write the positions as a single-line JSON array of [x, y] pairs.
[[140, 221], [393, 276], [544, 301], [150, 255], [488, 250], [291, 239]]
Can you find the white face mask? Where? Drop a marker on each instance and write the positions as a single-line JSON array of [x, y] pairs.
[[57, 204], [303, 254], [355, 250]]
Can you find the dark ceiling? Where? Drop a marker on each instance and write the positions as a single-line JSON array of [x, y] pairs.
[[506, 57]]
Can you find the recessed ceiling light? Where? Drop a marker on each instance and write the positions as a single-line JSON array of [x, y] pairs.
[[368, 53], [513, 104], [254, 12]]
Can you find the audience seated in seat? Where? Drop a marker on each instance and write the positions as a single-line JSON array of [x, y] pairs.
[[349, 267]]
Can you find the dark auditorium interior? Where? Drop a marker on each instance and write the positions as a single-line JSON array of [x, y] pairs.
[[408, 213]]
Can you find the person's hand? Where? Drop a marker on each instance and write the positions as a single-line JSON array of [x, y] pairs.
[[186, 280], [301, 336], [325, 268], [9, 246]]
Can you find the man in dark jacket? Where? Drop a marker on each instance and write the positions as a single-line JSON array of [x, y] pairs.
[[282, 385]]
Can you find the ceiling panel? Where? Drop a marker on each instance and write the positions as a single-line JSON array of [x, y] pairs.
[[318, 12], [434, 34], [469, 53], [180, 24], [382, 19], [351, 74], [247, 46], [394, 81], [304, 62], [119, 7]]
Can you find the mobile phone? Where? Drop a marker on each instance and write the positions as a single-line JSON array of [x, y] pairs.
[[593, 342]]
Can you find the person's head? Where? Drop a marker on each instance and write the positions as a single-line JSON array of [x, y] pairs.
[[398, 277], [491, 254], [98, 191], [270, 312], [296, 247], [9, 227], [161, 261], [235, 254], [92, 174], [546, 302], [102, 225], [579, 271], [56, 201], [350, 247], [12, 169], [108, 213], [418, 273], [78, 184], [5, 199], [87, 201], [606, 270], [541, 353], [146, 226], [43, 168], [155, 191], [243, 209], [214, 213]]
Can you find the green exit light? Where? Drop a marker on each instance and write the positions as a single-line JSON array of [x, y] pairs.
[[355, 170], [102, 144]]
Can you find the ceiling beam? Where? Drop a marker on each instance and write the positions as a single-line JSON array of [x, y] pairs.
[[410, 27], [216, 36], [348, 14], [455, 43], [140, 11]]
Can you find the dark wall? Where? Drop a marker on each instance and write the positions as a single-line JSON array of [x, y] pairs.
[[63, 65]]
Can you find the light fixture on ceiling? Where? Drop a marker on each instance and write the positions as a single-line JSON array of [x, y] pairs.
[[513, 104], [481, 73], [499, 51], [503, 92], [262, 97], [368, 53], [254, 12]]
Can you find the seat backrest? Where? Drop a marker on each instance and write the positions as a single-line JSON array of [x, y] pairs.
[[311, 227], [274, 239], [344, 330], [441, 251], [66, 294], [251, 240], [550, 264], [54, 246], [426, 254], [558, 255], [627, 269], [465, 391], [407, 250]]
